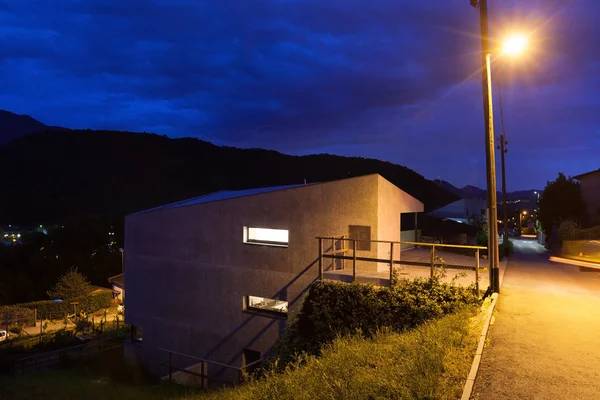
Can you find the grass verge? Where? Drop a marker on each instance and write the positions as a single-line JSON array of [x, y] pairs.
[[431, 361]]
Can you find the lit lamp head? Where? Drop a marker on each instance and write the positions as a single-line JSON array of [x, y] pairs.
[[514, 45]]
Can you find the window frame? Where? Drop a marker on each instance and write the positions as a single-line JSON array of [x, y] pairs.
[[264, 311], [246, 239]]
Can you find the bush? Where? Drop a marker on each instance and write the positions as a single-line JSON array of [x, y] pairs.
[[52, 310], [338, 309], [16, 315]]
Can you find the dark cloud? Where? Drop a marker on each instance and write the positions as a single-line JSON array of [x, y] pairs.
[[397, 80]]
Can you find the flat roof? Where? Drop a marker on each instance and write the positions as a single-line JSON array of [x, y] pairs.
[[586, 174]]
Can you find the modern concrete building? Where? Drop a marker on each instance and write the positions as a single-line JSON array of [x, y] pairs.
[[216, 276], [590, 191]]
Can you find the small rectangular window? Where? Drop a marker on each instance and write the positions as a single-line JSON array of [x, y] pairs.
[[252, 358], [266, 236], [136, 334], [362, 234], [265, 304]]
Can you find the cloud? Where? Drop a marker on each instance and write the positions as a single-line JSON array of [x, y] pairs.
[[353, 77]]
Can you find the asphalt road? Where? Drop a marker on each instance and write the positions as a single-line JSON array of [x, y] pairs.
[[545, 340]]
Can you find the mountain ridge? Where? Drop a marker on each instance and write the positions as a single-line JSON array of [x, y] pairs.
[[78, 173]]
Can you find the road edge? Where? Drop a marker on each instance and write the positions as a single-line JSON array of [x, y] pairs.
[[470, 383]]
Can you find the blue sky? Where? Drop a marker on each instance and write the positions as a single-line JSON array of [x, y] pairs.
[[390, 79]]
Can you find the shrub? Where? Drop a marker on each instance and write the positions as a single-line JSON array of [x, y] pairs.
[[52, 310], [16, 315], [333, 309]]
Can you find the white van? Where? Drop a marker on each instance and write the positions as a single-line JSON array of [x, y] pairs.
[[3, 336]]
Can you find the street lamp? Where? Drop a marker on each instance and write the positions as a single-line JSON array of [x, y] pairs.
[[514, 45]]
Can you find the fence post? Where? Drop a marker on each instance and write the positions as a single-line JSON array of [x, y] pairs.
[[432, 260], [170, 367], [391, 262], [204, 375], [320, 259], [41, 325], [354, 260], [477, 271]]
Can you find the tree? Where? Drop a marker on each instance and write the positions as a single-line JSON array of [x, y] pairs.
[[71, 285], [560, 201]]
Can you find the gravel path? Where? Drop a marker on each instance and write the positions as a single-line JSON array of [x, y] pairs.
[[545, 341]]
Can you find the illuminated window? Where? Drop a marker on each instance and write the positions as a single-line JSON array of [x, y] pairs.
[[265, 236], [264, 304]]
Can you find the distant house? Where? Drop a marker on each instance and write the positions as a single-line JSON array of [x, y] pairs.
[[461, 210], [216, 276], [446, 231], [118, 287], [590, 191]]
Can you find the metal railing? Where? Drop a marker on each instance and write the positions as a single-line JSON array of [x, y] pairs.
[[202, 365], [379, 259], [48, 359]]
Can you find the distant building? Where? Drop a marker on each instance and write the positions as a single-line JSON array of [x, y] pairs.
[[118, 287], [461, 210], [590, 191], [216, 276]]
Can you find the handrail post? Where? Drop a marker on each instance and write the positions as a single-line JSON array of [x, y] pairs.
[[432, 260], [354, 260], [477, 271], [391, 262], [320, 259], [170, 367]]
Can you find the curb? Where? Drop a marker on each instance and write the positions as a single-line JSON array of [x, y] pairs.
[[468, 388]]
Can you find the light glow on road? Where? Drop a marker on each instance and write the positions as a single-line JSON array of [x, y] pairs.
[[577, 263]]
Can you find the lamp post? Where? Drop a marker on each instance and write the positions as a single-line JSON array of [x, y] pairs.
[[512, 46], [490, 162]]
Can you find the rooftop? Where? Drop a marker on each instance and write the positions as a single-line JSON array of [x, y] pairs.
[[222, 195], [578, 177]]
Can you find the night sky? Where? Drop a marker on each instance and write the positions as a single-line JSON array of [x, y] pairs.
[[390, 79]]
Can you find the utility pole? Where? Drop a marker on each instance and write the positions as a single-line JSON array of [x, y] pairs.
[[486, 86], [503, 150]]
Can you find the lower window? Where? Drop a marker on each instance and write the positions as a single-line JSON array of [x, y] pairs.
[[265, 304], [136, 334]]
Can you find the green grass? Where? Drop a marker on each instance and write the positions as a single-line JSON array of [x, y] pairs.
[[431, 361]]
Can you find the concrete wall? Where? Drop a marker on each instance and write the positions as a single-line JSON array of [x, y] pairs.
[[590, 191], [188, 268], [392, 202]]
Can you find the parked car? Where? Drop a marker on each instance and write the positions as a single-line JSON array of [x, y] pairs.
[[3, 336]]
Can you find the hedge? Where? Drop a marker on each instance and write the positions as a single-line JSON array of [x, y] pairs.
[[16, 315], [53, 310], [331, 309]]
